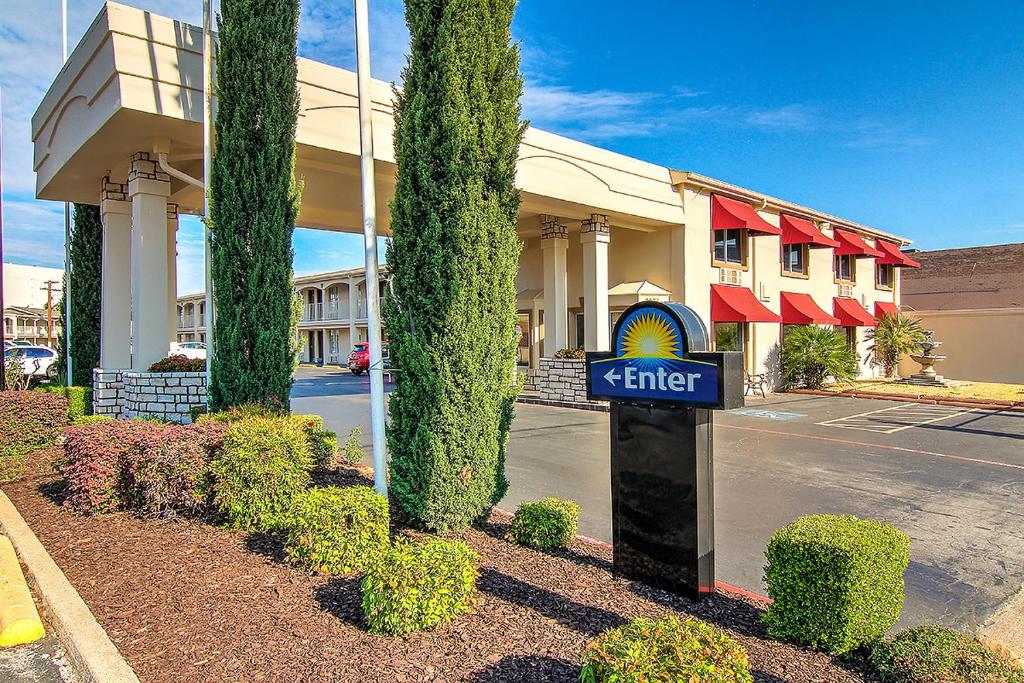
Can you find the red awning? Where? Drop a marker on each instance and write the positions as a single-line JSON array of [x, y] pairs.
[[851, 313], [799, 231], [800, 309], [892, 256], [852, 243], [729, 214], [738, 305], [884, 308]]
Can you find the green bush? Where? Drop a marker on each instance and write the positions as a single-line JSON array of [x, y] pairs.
[[312, 423], [811, 354], [179, 363], [90, 419], [263, 464], [547, 523], [571, 354], [337, 530], [79, 399], [352, 452], [324, 446], [932, 654], [415, 586], [668, 650], [836, 581], [237, 413]]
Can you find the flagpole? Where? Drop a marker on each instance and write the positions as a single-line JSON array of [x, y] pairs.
[[207, 175], [376, 369], [3, 321], [68, 376]]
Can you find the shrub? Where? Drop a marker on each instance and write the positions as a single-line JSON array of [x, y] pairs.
[[571, 354], [263, 464], [237, 413], [337, 530], [548, 523], [178, 363], [415, 586], [811, 354], [94, 458], [666, 650], [79, 399], [352, 452], [836, 581], [311, 423], [169, 469], [324, 447], [932, 654], [896, 335], [31, 419], [90, 419]]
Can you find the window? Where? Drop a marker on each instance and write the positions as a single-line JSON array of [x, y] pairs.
[[884, 275], [729, 247], [729, 336], [581, 330], [846, 270], [794, 259], [851, 337]]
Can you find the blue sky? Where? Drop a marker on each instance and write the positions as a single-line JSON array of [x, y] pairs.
[[904, 116]]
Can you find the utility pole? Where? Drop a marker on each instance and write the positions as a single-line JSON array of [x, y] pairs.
[[3, 321], [50, 284], [207, 176], [376, 369]]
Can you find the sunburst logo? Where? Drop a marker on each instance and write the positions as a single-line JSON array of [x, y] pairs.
[[650, 335]]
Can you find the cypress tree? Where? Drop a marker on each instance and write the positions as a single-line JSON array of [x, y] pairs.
[[254, 201], [86, 255], [454, 256]]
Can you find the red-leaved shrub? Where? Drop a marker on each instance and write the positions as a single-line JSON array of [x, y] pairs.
[[179, 363], [94, 458], [147, 467], [31, 419]]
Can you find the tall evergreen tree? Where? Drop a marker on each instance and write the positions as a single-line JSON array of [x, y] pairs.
[[254, 201], [454, 256], [86, 256]]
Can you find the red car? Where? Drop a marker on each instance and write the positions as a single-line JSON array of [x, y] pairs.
[[359, 359]]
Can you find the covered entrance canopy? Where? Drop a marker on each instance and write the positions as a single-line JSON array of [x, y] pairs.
[[121, 126]]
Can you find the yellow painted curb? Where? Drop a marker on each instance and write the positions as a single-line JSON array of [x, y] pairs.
[[19, 619]]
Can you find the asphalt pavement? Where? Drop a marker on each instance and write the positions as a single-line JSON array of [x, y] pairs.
[[951, 478]]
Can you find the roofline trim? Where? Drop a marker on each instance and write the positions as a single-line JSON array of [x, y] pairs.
[[688, 178]]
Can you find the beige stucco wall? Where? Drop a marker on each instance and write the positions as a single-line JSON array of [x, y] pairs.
[[981, 345]]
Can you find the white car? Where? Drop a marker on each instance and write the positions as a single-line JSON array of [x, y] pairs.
[[193, 350], [36, 361]]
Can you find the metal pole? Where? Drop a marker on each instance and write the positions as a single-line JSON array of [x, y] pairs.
[[207, 174], [67, 219], [3, 325], [376, 370]]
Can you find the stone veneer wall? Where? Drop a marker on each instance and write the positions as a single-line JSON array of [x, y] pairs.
[[563, 379], [166, 395]]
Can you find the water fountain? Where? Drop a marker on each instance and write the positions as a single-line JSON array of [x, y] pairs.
[[927, 360]]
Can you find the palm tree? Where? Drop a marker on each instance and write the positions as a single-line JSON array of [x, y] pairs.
[[811, 354], [897, 335]]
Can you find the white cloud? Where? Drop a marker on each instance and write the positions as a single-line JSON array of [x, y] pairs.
[[796, 116]]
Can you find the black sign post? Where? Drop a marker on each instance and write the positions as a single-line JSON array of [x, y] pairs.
[[663, 383]]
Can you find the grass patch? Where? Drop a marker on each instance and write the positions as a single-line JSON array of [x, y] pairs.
[[957, 389]]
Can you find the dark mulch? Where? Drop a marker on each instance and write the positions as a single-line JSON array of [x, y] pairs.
[[186, 601]]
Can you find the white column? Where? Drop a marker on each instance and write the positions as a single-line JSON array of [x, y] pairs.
[[353, 334], [115, 277], [595, 236], [554, 243], [148, 188], [172, 271]]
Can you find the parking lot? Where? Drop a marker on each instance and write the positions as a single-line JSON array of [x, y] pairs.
[[952, 478]]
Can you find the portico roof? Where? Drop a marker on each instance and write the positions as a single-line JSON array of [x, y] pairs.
[[136, 78]]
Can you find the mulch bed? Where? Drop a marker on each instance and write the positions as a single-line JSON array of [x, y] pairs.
[[186, 601]]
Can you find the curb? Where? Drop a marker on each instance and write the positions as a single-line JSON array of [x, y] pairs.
[[954, 402], [575, 405], [19, 619], [720, 585], [1004, 630], [92, 654]]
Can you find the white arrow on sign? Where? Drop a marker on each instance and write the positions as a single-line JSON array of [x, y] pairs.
[[612, 376]]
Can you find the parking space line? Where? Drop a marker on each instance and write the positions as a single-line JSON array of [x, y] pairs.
[[867, 444], [895, 418]]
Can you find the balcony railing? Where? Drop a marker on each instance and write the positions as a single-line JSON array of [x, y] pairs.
[[186, 322]]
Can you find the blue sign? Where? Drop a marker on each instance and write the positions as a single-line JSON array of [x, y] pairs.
[[658, 357]]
